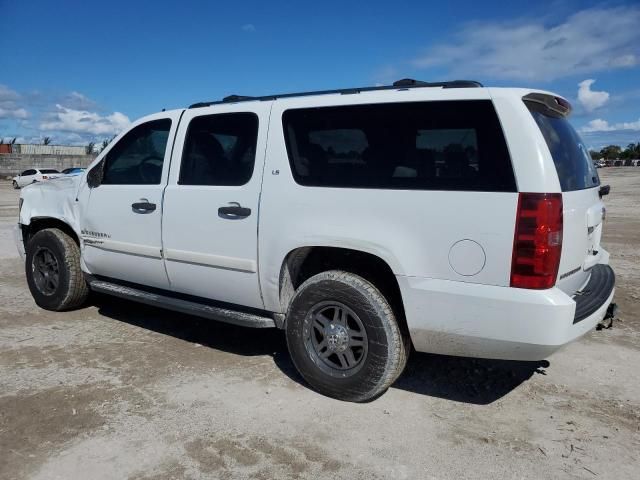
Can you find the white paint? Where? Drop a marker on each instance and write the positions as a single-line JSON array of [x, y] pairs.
[[217, 261], [457, 318], [456, 294], [222, 253], [467, 257], [131, 249]]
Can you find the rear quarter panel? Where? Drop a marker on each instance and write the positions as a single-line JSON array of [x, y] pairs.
[[413, 231]]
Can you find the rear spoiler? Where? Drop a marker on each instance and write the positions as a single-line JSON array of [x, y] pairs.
[[556, 106]]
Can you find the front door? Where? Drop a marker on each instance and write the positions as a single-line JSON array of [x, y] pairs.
[[121, 223], [210, 223]]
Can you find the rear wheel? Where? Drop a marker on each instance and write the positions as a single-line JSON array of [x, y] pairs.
[[344, 338], [53, 271]]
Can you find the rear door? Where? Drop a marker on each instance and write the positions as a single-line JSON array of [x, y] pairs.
[[583, 210], [210, 220]]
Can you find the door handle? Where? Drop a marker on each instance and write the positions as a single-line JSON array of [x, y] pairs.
[[143, 206], [234, 212]]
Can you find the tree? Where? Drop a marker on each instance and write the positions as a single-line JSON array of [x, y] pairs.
[[46, 140], [90, 147], [13, 142], [106, 142], [611, 152], [595, 155]]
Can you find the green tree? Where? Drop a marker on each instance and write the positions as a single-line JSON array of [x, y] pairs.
[[46, 140], [611, 152], [106, 142], [90, 147]]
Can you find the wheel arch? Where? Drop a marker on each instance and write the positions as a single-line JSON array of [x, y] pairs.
[[304, 262], [40, 223]]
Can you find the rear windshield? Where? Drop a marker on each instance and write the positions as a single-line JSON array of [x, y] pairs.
[[49, 171], [570, 155], [447, 145]]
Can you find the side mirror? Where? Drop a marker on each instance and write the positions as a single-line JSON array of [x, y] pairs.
[[94, 177]]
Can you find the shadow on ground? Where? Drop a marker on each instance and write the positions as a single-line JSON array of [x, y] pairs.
[[460, 379]]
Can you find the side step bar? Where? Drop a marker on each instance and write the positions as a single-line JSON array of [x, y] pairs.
[[226, 315]]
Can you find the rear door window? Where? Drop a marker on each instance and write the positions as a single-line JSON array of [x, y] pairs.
[[570, 155], [220, 150], [449, 145]]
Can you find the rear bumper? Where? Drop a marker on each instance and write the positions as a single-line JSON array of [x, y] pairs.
[[590, 298], [465, 319]]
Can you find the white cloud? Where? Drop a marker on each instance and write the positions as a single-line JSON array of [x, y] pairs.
[[248, 27], [629, 60], [588, 41], [600, 125], [9, 104], [8, 95], [18, 113], [82, 121], [77, 101], [590, 99]]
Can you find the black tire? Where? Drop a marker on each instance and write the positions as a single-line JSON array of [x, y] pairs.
[[55, 251], [386, 351]]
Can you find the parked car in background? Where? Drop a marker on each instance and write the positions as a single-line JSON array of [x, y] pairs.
[[34, 175], [73, 171]]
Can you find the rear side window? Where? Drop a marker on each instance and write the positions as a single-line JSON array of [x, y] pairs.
[[570, 155], [450, 145], [49, 170], [219, 150]]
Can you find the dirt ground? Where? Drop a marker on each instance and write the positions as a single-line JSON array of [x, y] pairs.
[[118, 390]]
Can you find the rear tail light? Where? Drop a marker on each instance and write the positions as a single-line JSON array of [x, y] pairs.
[[44, 177], [537, 242]]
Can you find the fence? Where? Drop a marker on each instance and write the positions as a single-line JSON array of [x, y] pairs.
[[26, 149], [14, 163]]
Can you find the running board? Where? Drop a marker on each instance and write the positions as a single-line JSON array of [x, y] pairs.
[[226, 315]]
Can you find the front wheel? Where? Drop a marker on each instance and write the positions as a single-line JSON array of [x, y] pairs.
[[343, 337], [53, 271]]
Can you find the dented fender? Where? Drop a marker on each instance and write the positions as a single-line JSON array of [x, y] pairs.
[[52, 199]]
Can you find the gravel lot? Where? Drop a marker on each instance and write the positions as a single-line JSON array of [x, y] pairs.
[[118, 390]]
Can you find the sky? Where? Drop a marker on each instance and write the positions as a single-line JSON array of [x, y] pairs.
[[80, 71]]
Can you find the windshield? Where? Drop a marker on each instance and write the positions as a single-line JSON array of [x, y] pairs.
[[570, 155]]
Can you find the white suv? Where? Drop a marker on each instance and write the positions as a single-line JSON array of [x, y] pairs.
[[450, 217]]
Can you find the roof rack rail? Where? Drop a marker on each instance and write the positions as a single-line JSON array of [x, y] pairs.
[[402, 84]]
